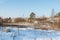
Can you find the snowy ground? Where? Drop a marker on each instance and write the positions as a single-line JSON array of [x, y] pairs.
[[29, 34]]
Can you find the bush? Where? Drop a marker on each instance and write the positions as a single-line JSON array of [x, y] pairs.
[[1, 23]]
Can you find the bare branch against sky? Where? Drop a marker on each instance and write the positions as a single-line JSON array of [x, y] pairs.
[[16, 8]]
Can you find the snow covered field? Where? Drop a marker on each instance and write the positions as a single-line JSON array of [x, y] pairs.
[[29, 34]]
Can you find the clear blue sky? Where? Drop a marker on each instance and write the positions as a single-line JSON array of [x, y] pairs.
[[23, 8]]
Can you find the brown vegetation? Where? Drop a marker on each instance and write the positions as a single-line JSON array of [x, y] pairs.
[[7, 20], [17, 20]]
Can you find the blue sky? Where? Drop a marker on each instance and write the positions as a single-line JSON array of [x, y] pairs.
[[23, 8]]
